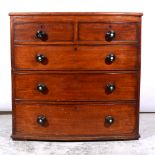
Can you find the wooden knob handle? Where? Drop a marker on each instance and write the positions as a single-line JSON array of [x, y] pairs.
[[110, 35], [41, 120], [110, 59], [41, 35], [110, 87], [40, 58], [41, 87], [109, 120]]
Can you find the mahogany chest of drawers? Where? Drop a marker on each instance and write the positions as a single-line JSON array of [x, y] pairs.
[[75, 76]]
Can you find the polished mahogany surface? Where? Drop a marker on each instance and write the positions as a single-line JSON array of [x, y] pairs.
[[75, 76]]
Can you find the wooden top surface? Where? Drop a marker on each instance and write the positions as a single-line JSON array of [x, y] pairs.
[[75, 13]]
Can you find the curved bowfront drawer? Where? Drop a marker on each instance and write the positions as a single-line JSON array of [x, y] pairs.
[[115, 57], [43, 32], [75, 121], [108, 32], [76, 86]]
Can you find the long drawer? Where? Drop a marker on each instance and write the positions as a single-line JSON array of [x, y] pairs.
[[67, 57], [75, 86], [75, 121]]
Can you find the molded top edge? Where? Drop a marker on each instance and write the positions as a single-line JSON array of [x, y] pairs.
[[75, 13]]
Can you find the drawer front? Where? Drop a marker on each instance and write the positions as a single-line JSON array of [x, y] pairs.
[[108, 32], [115, 57], [75, 120], [40, 32], [76, 86]]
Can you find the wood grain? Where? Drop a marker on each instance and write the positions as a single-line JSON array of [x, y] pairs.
[[55, 31], [67, 57], [75, 120], [76, 101], [75, 87], [96, 31]]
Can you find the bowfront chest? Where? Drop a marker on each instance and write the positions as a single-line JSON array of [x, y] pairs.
[[75, 76]]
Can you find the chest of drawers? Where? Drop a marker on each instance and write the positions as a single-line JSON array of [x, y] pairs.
[[75, 76]]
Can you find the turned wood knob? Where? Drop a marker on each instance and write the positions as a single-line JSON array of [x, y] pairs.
[[110, 35], [40, 58], [41, 120], [109, 120], [41, 35], [110, 59], [41, 88], [110, 87]]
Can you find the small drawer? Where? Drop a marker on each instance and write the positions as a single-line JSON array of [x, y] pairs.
[[67, 57], [43, 32], [108, 32], [81, 121], [75, 86]]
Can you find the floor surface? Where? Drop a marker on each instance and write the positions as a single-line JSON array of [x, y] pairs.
[[144, 146]]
